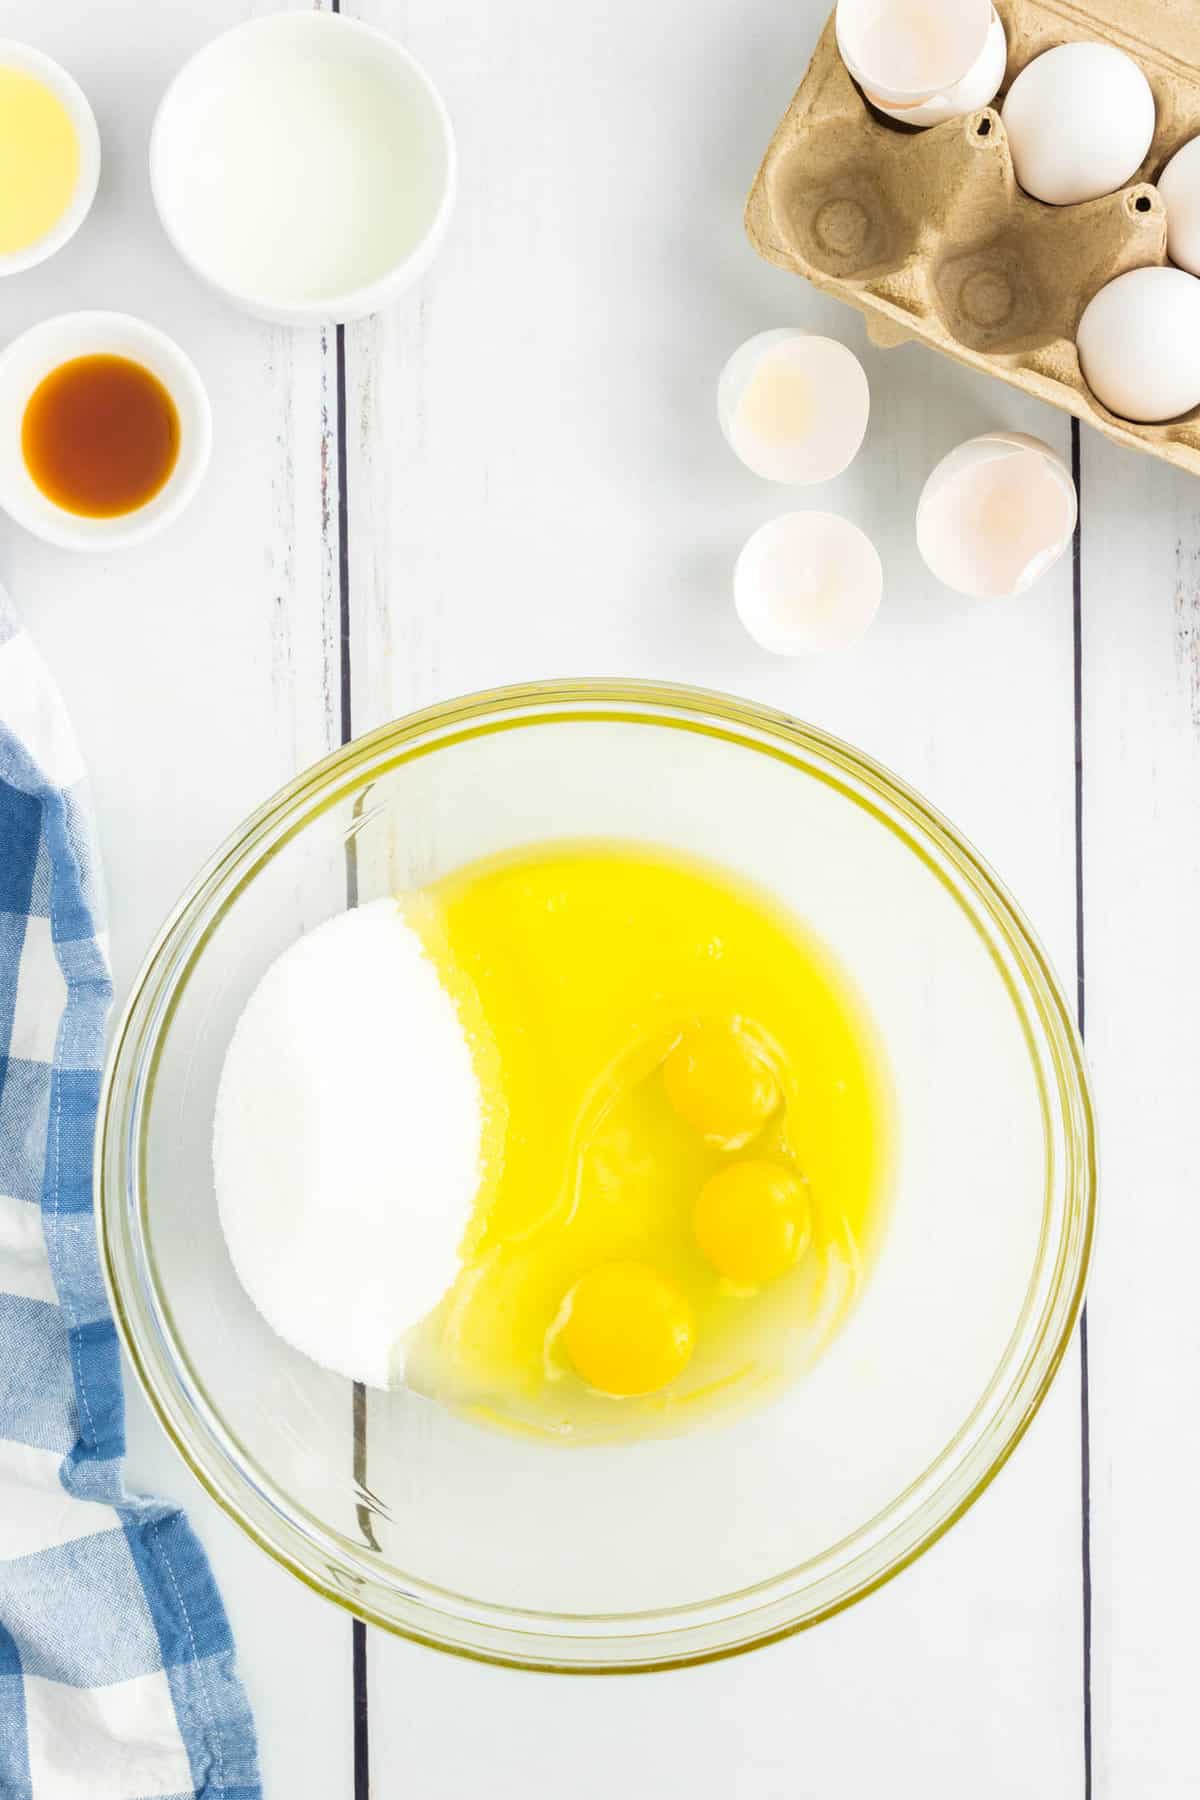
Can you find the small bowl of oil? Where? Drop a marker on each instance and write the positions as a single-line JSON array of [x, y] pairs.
[[49, 156], [105, 430]]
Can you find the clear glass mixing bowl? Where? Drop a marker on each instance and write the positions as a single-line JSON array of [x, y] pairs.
[[652, 1554]]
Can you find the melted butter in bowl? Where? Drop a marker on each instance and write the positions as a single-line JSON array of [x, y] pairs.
[[689, 1145], [586, 1142], [49, 156]]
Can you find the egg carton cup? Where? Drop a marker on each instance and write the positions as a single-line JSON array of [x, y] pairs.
[[929, 235]]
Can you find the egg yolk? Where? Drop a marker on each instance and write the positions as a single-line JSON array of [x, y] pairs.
[[753, 1222], [627, 1330], [720, 1084]]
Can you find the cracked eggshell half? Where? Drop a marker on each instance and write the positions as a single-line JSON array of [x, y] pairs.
[[996, 514], [978, 87], [793, 406], [806, 583], [902, 52]]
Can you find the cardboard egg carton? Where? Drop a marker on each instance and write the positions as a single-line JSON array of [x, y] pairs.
[[928, 234]]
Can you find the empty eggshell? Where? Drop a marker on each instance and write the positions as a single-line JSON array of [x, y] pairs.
[[1079, 119], [807, 582], [977, 88], [905, 51], [794, 407], [1139, 345], [1179, 185], [996, 514]]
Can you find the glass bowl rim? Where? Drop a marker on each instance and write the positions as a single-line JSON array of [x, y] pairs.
[[670, 1637]]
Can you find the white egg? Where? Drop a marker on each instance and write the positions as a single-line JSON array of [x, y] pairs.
[[977, 88], [1139, 345], [1179, 185], [1079, 119], [904, 51], [807, 582], [996, 514], [794, 407]]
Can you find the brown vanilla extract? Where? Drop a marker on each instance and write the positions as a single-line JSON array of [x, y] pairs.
[[100, 436]]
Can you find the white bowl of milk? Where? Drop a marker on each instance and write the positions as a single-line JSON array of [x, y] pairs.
[[304, 165]]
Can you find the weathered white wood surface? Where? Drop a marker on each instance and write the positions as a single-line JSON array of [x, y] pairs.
[[536, 486], [1141, 893]]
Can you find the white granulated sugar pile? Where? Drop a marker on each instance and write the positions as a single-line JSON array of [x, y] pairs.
[[347, 1142]]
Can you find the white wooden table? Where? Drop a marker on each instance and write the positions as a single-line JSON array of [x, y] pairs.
[[516, 473]]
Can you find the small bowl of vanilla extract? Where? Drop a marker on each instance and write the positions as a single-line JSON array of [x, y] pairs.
[[105, 430]]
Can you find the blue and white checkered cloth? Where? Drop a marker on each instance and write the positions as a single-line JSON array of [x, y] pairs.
[[117, 1678]]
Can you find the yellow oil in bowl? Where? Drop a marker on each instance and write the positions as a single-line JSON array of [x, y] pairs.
[[687, 1143], [39, 159]]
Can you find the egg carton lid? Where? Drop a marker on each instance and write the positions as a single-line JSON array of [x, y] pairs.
[[930, 236]]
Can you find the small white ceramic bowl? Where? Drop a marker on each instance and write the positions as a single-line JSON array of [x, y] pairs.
[[14, 55], [303, 164], [26, 362]]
